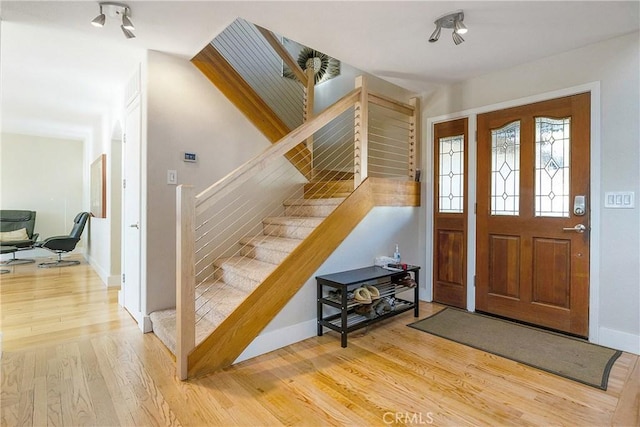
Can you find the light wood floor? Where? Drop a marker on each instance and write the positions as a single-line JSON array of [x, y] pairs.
[[73, 357]]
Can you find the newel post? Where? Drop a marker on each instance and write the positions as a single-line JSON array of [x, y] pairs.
[[361, 134], [309, 102], [185, 277]]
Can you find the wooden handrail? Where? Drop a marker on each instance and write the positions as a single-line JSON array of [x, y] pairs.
[[234, 179], [283, 54], [391, 104]]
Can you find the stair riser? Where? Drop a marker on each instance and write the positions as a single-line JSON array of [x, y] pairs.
[[264, 254], [309, 211], [290, 231]]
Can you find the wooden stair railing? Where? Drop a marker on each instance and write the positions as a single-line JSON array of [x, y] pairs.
[[232, 336], [236, 332]]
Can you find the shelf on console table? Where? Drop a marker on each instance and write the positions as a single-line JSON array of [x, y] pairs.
[[347, 320]]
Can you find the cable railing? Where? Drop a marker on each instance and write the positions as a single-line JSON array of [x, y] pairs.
[[219, 229]]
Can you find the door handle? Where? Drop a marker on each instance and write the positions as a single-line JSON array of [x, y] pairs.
[[578, 228], [134, 226]]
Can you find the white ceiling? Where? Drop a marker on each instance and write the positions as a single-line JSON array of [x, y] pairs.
[[60, 74]]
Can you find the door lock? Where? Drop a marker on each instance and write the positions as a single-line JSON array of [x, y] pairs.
[[579, 205], [134, 225]]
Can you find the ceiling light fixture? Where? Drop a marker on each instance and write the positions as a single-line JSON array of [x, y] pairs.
[[453, 20], [115, 10]]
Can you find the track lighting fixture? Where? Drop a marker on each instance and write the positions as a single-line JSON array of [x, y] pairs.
[[453, 20], [115, 10]]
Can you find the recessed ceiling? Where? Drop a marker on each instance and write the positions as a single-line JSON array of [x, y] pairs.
[[59, 73]]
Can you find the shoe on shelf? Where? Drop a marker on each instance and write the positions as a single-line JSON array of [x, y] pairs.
[[375, 293], [362, 295]]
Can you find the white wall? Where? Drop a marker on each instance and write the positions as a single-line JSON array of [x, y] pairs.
[[615, 65], [45, 175], [184, 112]]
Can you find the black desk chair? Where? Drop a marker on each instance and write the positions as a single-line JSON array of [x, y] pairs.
[[16, 229], [64, 244]]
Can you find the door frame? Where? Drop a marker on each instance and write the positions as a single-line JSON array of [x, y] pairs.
[[595, 202]]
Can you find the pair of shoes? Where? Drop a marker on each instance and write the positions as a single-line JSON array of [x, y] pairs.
[[337, 294], [366, 310], [382, 306], [405, 280], [366, 294]]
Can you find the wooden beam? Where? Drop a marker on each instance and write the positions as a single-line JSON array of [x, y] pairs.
[[284, 54], [361, 134], [237, 331], [414, 136]]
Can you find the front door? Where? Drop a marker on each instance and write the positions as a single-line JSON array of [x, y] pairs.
[[533, 213]]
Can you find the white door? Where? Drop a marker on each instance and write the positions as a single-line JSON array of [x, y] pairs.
[[131, 286]]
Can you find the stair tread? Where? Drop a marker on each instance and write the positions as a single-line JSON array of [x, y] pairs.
[[248, 267], [284, 244], [301, 221], [333, 201]]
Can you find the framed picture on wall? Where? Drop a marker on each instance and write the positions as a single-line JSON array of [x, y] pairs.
[[99, 187]]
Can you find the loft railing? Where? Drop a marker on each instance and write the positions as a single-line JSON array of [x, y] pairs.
[[361, 132]]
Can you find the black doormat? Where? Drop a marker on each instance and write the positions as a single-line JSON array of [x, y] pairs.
[[559, 354]]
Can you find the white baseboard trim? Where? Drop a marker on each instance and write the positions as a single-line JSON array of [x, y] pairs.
[[104, 276], [279, 338], [619, 340]]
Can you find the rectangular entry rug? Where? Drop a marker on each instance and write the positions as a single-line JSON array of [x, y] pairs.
[[568, 357]]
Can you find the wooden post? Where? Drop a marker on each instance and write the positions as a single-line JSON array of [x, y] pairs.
[[414, 135], [361, 134], [309, 100], [185, 277]]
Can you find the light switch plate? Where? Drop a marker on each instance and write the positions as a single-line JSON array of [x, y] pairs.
[[619, 199], [172, 177]]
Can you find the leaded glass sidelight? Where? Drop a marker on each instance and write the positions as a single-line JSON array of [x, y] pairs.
[[451, 187], [505, 170], [552, 167]]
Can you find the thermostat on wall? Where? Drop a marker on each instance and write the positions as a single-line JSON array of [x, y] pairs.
[[189, 157]]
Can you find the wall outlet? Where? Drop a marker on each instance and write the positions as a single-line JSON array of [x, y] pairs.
[[172, 177]]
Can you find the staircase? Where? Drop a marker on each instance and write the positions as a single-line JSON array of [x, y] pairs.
[[237, 277]]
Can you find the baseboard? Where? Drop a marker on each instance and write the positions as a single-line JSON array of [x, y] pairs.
[[279, 338], [104, 276], [146, 325], [619, 340]]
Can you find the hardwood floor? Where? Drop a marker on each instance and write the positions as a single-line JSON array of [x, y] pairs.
[[73, 357]]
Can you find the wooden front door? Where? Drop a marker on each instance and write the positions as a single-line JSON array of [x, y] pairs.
[[533, 213], [450, 213]]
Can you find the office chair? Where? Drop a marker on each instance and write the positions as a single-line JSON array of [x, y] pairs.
[[64, 244]]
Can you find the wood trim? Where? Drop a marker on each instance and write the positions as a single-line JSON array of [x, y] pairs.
[[284, 54], [237, 331], [185, 277], [414, 123], [233, 180], [391, 104], [393, 192]]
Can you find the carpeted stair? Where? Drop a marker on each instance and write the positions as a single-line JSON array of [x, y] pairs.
[[236, 277]]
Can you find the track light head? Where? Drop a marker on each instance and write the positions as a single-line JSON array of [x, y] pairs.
[[457, 38], [436, 34], [115, 10], [127, 33], [126, 22], [453, 20]]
